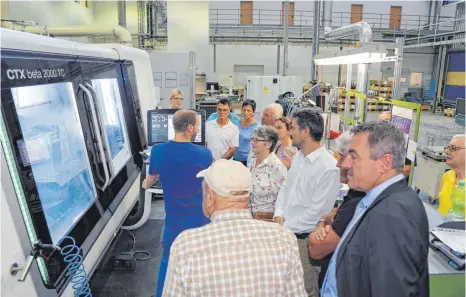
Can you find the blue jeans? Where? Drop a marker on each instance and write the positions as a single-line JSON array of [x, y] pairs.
[[167, 240]]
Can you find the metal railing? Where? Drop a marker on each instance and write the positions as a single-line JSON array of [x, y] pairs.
[[436, 31], [220, 17]]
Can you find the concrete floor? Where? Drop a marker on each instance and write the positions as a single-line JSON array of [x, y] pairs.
[[142, 282], [430, 124]]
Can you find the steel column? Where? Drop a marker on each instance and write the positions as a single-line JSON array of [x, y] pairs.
[[398, 66], [285, 38], [349, 77], [429, 21], [155, 13], [339, 71], [192, 78], [440, 74], [122, 13], [438, 6], [278, 59], [361, 87], [215, 58], [315, 38]]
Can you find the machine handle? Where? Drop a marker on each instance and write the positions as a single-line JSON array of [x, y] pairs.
[[27, 266], [98, 136], [99, 119]]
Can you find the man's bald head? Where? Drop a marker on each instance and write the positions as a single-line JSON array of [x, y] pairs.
[[183, 118], [271, 113], [455, 153]]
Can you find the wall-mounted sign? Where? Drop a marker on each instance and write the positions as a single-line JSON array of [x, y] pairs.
[[416, 79]]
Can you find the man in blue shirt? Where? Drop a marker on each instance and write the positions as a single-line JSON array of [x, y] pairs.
[[177, 163], [383, 251]]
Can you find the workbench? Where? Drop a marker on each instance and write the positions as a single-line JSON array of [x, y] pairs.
[[444, 280]]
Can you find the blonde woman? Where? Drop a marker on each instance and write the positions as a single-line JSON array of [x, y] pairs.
[[176, 99]]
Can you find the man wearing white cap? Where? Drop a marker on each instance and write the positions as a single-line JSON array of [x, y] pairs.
[[234, 255]]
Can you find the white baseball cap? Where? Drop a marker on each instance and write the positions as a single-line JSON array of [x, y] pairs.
[[229, 179]]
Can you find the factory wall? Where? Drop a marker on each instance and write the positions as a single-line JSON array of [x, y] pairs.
[[266, 55], [51, 13], [188, 30], [299, 63], [106, 13], [271, 11]]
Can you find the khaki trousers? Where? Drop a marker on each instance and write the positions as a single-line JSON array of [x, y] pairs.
[[310, 272]]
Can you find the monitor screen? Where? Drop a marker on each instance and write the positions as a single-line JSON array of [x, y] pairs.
[[160, 126]]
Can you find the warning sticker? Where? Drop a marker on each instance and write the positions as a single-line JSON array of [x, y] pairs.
[[266, 90]]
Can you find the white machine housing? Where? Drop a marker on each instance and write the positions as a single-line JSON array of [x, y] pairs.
[[266, 89], [15, 244], [430, 170]]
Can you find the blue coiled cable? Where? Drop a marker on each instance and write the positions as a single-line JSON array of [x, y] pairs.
[[75, 270]]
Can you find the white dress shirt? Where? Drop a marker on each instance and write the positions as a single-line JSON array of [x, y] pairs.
[[309, 192], [267, 179], [221, 139]]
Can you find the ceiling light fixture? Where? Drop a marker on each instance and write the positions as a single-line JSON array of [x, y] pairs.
[[371, 53]]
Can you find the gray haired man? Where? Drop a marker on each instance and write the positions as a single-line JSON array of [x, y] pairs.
[[387, 241], [271, 113]]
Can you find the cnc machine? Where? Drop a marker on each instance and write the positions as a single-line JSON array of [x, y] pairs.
[[72, 126]]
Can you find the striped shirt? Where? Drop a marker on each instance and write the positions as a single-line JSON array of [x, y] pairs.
[[235, 255]]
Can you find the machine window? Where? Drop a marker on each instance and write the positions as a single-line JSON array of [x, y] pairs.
[[113, 121], [54, 147]]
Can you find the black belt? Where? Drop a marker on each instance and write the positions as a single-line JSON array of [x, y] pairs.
[[301, 235]]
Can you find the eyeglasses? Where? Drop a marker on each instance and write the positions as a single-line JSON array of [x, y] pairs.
[[220, 110], [178, 98], [453, 148], [253, 139]]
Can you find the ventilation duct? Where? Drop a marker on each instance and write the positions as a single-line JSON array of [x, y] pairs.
[[123, 36], [364, 33]]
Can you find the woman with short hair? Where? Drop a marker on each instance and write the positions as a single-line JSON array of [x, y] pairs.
[[268, 173], [285, 150], [246, 128]]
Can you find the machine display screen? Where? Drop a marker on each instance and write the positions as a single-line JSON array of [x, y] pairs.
[[160, 126]]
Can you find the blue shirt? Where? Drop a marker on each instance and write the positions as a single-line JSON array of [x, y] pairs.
[[244, 147], [329, 287], [177, 164], [233, 118]]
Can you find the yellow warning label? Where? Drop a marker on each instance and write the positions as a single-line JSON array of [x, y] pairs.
[[266, 90]]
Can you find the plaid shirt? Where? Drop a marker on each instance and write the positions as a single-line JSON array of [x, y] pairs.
[[235, 255]]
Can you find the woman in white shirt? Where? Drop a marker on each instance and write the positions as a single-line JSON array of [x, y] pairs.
[[268, 173]]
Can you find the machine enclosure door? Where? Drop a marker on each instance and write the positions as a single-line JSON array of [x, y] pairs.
[[46, 119]]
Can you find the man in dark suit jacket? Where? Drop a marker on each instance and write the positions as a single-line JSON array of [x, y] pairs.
[[384, 249]]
